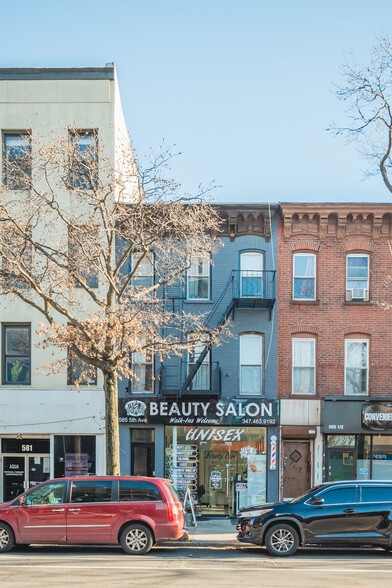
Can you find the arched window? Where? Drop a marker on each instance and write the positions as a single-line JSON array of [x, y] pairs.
[[304, 365], [356, 366], [304, 276], [251, 364], [251, 274]]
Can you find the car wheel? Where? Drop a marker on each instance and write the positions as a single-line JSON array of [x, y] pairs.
[[136, 539], [281, 540], [7, 539]]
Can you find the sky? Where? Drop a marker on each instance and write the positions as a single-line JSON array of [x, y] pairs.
[[243, 89]]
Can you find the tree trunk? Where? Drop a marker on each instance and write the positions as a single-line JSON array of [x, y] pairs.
[[112, 427]]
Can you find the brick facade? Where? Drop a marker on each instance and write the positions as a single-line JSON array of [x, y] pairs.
[[331, 231]]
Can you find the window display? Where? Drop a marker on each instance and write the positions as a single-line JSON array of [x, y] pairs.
[[225, 468]]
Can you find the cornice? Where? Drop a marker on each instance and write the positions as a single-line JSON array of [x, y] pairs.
[[337, 221], [248, 219]]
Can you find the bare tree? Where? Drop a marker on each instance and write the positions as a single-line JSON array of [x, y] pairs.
[[79, 236], [368, 93]]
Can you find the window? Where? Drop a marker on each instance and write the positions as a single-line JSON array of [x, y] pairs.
[[144, 274], [338, 496], [47, 494], [198, 280], [303, 379], [202, 378], [251, 353], [17, 160], [84, 159], [251, 264], [84, 252], [304, 276], [376, 494], [356, 366], [16, 354], [94, 491], [357, 277], [80, 372], [143, 372], [74, 455], [132, 490]]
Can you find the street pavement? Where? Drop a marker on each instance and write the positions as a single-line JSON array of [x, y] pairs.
[[190, 567], [211, 557]]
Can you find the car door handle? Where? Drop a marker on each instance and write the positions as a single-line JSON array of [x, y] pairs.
[[58, 509], [350, 510], [74, 509]]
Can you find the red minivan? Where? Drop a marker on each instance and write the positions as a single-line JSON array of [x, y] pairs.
[[134, 512]]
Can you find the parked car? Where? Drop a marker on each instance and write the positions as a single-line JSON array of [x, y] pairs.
[[337, 514], [134, 512]]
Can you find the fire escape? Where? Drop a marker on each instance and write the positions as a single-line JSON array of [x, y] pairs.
[[244, 290]]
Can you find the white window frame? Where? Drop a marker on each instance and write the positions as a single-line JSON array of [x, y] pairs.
[[243, 255], [310, 340], [192, 359], [298, 254], [143, 363], [349, 340], [136, 277], [190, 275], [359, 279], [241, 336]]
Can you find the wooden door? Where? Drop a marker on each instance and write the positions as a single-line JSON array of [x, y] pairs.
[[296, 468]]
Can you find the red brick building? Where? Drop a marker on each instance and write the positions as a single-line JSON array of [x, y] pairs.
[[335, 343]]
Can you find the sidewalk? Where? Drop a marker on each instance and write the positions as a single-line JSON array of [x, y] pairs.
[[217, 532]]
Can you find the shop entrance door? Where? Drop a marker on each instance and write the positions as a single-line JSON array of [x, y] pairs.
[[21, 472], [142, 459], [296, 468], [341, 464]]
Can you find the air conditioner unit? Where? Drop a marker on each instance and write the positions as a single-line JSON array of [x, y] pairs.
[[358, 294], [349, 294]]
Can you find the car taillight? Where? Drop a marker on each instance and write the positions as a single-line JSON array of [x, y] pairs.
[[173, 510]]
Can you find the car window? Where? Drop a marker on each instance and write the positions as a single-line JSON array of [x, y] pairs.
[[174, 494], [47, 494], [135, 490], [302, 497], [91, 491], [338, 496], [376, 494]]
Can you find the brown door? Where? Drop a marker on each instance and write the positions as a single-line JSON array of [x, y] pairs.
[[296, 468]]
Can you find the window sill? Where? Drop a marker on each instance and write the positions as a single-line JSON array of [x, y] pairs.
[[196, 301], [303, 396], [305, 302], [358, 303]]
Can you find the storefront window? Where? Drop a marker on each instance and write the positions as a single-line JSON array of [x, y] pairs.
[[382, 458], [212, 460], [74, 455]]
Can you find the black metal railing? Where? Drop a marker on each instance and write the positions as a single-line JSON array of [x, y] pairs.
[[254, 284], [206, 381]]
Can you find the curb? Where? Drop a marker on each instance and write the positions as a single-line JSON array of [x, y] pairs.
[[203, 543]]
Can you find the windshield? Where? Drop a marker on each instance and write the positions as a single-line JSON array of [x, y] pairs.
[[308, 493]]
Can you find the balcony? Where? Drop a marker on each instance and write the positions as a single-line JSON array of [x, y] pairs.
[[253, 288], [206, 382]]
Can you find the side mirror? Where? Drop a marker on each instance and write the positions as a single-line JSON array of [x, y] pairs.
[[22, 500], [316, 501]]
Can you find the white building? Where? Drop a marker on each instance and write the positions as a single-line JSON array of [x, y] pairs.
[[47, 427]]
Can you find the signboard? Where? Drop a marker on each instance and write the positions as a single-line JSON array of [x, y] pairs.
[[342, 416], [13, 445], [76, 464], [203, 412], [353, 416], [377, 416], [240, 487]]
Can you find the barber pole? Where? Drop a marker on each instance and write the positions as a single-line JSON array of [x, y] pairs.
[[273, 453]]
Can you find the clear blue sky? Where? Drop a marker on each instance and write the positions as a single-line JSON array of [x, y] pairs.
[[243, 88]]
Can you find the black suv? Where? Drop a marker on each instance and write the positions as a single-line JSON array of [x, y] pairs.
[[336, 514]]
